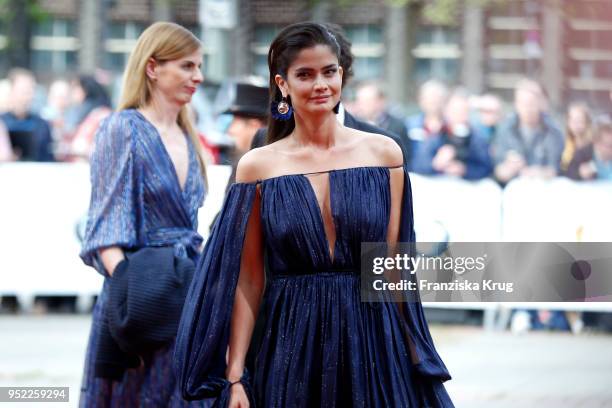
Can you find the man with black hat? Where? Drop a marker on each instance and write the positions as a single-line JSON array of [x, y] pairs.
[[249, 106], [250, 110]]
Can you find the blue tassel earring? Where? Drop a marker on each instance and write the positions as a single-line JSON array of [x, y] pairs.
[[281, 110]]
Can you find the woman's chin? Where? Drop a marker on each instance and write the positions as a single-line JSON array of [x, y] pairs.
[[320, 109], [183, 99]]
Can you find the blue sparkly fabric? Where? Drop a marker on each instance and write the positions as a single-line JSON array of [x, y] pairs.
[[136, 201], [320, 345]]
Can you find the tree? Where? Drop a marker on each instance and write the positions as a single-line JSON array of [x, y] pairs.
[[19, 17]]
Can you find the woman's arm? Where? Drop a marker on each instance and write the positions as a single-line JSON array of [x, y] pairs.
[[248, 295], [249, 288], [397, 189], [112, 218]]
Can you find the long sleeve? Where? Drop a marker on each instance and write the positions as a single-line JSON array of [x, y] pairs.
[[203, 336], [427, 362], [112, 211]]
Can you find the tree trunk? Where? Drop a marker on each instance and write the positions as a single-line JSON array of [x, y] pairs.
[[19, 34]]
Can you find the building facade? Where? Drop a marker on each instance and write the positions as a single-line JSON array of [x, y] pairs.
[[563, 43]]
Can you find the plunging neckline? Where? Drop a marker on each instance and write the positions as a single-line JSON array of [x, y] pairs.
[[331, 248], [168, 157], [331, 251]]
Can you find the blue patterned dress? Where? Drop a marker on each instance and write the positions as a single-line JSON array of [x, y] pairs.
[[136, 201], [320, 346]]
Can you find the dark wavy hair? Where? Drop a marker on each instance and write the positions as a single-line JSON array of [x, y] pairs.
[[283, 51], [95, 97], [346, 55], [94, 91]]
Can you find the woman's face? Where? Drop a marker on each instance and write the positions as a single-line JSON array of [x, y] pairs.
[[577, 121], [177, 80], [314, 81]]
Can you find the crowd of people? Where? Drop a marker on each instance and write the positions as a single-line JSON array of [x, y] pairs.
[[466, 136], [454, 133], [61, 129]]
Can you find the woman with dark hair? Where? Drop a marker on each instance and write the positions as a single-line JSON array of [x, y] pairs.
[[305, 202], [92, 107]]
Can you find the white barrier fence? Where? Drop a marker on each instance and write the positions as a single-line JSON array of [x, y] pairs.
[[558, 210], [42, 205], [41, 208], [458, 210]]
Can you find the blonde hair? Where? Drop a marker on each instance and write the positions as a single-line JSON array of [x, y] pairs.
[[162, 41], [571, 140]]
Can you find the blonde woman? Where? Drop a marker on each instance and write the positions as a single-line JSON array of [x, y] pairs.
[[578, 131], [148, 182]]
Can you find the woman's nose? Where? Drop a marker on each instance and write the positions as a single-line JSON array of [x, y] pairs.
[[199, 77], [320, 83]]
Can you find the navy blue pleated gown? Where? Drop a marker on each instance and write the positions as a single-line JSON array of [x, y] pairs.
[[320, 345]]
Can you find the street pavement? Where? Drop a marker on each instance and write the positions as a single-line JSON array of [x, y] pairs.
[[489, 369]]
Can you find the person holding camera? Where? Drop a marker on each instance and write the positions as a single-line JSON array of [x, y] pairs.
[[458, 150]]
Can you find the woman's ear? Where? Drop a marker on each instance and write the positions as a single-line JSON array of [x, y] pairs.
[[282, 85], [151, 69]]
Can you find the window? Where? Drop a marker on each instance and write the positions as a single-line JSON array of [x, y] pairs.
[[368, 49], [588, 64], [445, 69], [437, 54], [264, 35], [514, 43], [54, 45], [121, 40]]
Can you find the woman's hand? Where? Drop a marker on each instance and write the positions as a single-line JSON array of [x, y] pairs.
[[111, 257], [238, 397]]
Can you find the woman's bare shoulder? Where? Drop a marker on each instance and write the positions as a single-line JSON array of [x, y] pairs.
[[386, 150], [254, 165]]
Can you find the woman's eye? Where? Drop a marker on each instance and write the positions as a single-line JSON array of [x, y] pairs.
[[302, 74], [331, 71]]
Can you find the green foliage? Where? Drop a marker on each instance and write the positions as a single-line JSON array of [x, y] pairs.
[[34, 11]]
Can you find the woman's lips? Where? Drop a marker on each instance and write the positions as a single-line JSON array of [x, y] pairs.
[[191, 90], [321, 98]]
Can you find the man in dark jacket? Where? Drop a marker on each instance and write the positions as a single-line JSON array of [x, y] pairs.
[[371, 106], [529, 143], [344, 117], [458, 149], [29, 133]]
